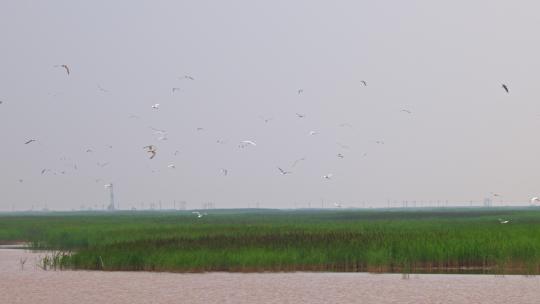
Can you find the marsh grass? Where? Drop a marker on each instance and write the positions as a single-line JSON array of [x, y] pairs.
[[420, 241]]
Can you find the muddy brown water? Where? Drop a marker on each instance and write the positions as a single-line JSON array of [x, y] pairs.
[[33, 285]]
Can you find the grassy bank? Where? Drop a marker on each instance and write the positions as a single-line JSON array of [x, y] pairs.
[[451, 240]]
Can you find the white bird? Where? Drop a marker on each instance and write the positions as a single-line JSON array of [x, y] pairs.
[[156, 106], [504, 221], [199, 215], [299, 115], [188, 77], [171, 166], [102, 89], [266, 120], [328, 176], [406, 111], [151, 149], [340, 155], [283, 172], [107, 185], [313, 133], [245, 143], [535, 200], [298, 160], [343, 146], [63, 66], [338, 205]]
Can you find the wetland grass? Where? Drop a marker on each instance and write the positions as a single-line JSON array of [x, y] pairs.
[[420, 241]]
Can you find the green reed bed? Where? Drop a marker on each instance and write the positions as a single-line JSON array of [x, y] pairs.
[[453, 240]]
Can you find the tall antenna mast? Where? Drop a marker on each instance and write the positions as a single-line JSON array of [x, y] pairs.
[[111, 196]]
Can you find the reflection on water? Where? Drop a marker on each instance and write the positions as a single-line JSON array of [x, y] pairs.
[[33, 285]]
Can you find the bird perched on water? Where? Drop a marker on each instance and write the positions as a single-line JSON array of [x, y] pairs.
[[30, 141], [283, 172], [156, 106], [63, 66], [152, 150]]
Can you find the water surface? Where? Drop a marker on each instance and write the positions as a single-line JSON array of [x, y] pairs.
[[33, 285]]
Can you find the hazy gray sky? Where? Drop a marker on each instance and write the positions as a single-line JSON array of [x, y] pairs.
[[442, 60]]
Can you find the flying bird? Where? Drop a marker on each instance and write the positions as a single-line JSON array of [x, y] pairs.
[[504, 221], [379, 142], [89, 150], [63, 66], [45, 170], [224, 171], [340, 155], [152, 150], [535, 200], [245, 143], [300, 91], [313, 133], [175, 89], [30, 141], [343, 146], [199, 215], [338, 205], [283, 172], [188, 77], [406, 111], [102, 164], [364, 83], [266, 120], [102, 89], [156, 106], [298, 160], [300, 115], [171, 166], [505, 87], [328, 176], [345, 124]]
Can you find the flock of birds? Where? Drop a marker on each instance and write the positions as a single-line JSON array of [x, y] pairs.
[[152, 150]]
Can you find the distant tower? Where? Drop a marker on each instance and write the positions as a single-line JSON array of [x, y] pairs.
[[111, 193]]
